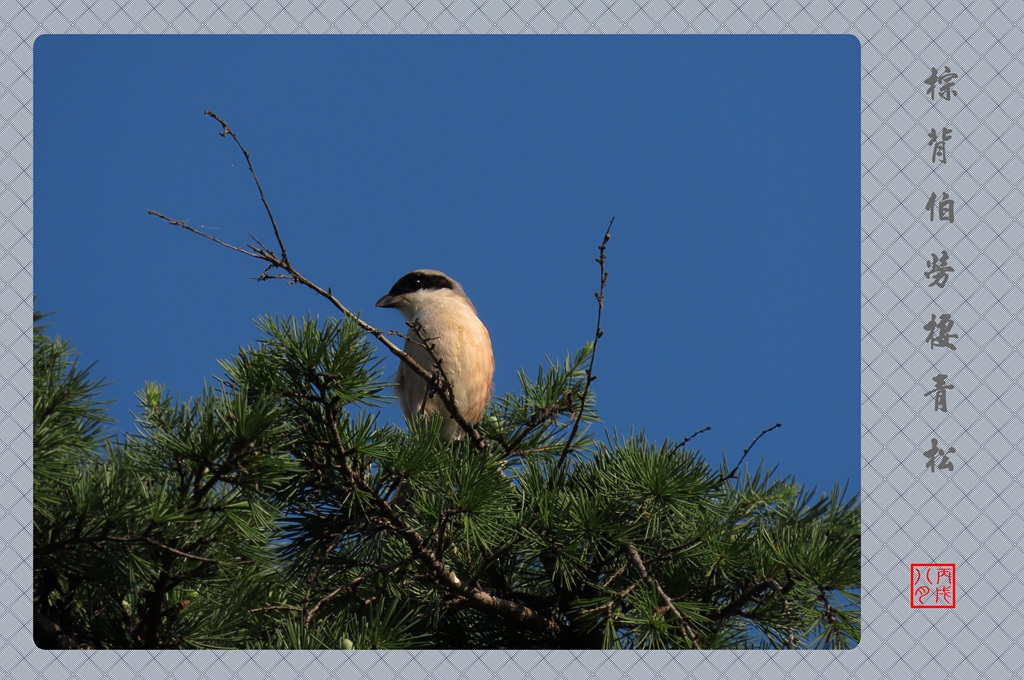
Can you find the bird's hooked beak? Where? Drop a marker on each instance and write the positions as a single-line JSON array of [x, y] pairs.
[[390, 300]]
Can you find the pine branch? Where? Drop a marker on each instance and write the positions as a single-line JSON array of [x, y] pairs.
[[684, 622], [385, 515], [748, 594]]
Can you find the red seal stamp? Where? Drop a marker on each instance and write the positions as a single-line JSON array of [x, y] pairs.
[[933, 586]]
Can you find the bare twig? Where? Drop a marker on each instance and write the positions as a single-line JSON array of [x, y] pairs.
[[275, 261], [228, 131], [593, 351], [187, 227], [732, 474], [691, 437]]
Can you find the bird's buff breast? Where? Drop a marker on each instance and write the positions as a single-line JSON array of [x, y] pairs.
[[463, 346]]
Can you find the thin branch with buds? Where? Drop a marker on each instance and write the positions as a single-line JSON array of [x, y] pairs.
[[733, 473], [598, 332], [687, 440], [225, 131]]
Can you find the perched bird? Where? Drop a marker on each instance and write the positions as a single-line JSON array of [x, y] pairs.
[[460, 342]]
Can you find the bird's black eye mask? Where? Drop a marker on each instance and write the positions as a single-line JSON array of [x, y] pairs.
[[419, 281]]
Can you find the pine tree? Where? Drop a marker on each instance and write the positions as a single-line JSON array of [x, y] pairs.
[[263, 513], [273, 510]]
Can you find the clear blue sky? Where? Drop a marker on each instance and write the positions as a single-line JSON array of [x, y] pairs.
[[731, 165]]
